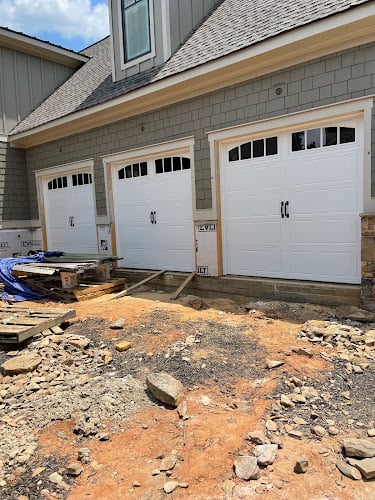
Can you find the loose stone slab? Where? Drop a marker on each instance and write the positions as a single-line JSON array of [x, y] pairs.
[[361, 448], [165, 388], [21, 364], [348, 470], [366, 467]]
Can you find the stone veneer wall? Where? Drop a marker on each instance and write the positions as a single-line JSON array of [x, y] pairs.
[[368, 261]]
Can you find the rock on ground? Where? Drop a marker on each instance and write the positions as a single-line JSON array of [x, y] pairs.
[[165, 388], [361, 448], [21, 364], [246, 468]]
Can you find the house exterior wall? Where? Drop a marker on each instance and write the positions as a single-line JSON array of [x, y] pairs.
[[14, 196], [181, 17], [335, 78], [185, 15], [25, 81]]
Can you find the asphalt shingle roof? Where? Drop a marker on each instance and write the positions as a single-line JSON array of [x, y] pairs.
[[232, 26]]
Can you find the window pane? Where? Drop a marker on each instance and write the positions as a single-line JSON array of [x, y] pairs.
[[59, 183], [246, 151], [271, 146], [74, 179], [167, 164], [121, 173], [50, 185], [136, 29], [80, 179], [86, 178], [128, 171], [65, 182], [313, 138], [258, 148], [329, 136], [298, 141], [176, 163], [159, 166], [54, 184], [136, 170], [234, 154], [185, 163], [143, 168], [347, 134]]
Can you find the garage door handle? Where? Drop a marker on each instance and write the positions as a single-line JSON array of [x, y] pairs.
[[155, 217], [282, 209], [287, 209]]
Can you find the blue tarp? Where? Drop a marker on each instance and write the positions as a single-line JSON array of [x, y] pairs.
[[14, 289]]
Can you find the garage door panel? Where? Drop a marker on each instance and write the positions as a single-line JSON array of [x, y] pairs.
[[329, 231], [253, 176], [70, 214], [322, 169], [242, 234], [318, 264], [319, 236], [259, 205], [332, 200], [154, 220], [258, 261]]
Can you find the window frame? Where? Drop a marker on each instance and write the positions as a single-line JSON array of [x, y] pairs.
[[121, 19]]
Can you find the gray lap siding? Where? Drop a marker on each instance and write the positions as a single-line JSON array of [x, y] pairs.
[[335, 78], [14, 197]]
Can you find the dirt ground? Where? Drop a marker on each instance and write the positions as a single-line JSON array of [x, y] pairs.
[[229, 392]]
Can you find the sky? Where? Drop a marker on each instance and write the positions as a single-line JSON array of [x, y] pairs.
[[73, 24]]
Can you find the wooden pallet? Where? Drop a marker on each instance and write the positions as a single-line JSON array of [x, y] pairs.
[[20, 323]]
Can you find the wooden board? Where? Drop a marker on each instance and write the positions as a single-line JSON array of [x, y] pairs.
[[84, 291], [20, 323], [137, 285], [183, 285]]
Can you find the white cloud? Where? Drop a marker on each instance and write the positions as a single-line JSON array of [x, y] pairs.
[[87, 19]]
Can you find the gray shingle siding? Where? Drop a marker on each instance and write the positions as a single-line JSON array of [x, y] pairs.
[[233, 26], [305, 86], [14, 197]]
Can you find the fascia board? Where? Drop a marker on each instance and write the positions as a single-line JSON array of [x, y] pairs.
[[29, 45]]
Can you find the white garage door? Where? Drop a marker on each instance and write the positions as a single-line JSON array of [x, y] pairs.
[[70, 213], [154, 214], [291, 204]]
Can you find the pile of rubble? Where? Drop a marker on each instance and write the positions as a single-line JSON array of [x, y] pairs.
[[350, 342], [56, 378]]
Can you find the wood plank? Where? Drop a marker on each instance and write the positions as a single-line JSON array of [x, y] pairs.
[[137, 285], [99, 293], [92, 287], [46, 291], [22, 332], [183, 285]]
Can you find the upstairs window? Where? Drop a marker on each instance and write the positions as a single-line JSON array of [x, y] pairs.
[[136, 28]]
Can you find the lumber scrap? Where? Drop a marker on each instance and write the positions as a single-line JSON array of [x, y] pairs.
[[183, 285], [38, 287], [137, 285], [18, 324]]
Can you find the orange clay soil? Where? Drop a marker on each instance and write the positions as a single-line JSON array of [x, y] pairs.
[[214, 432]]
